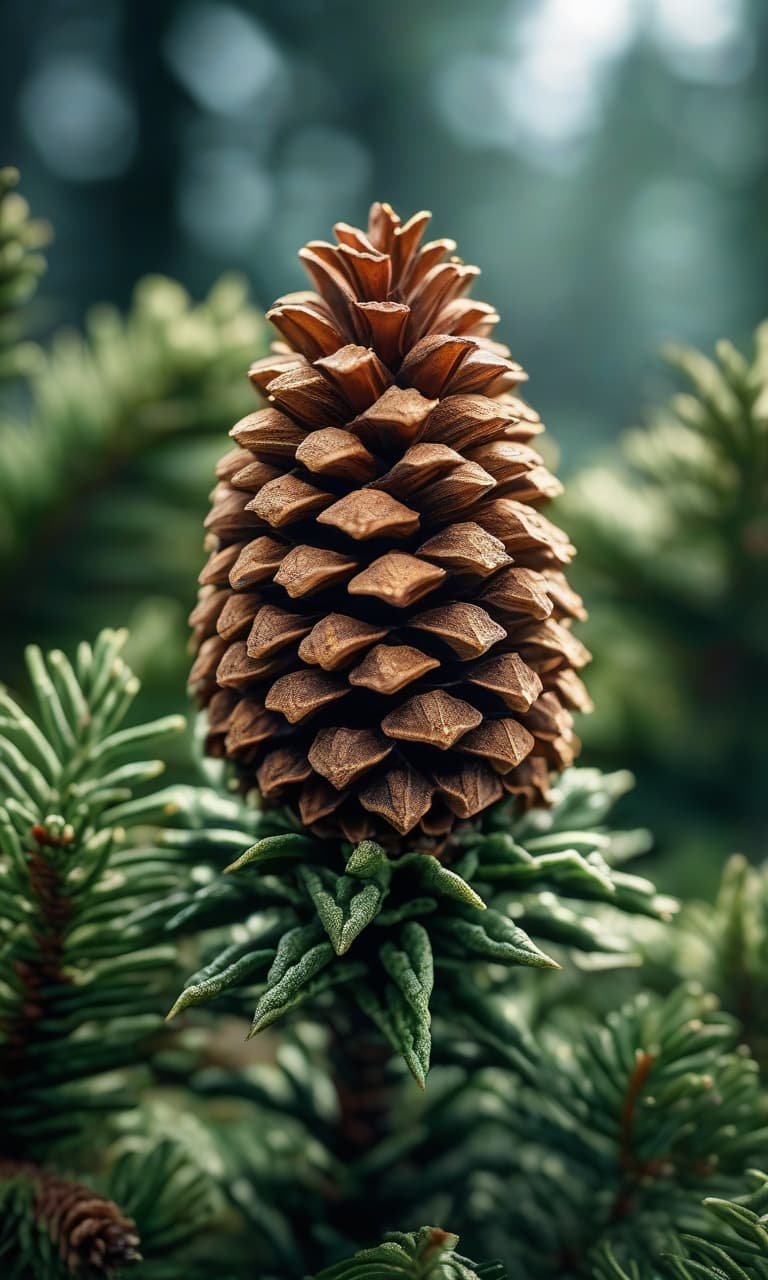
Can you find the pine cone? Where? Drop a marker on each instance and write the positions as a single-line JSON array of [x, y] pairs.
[[92, 1235], [383, 628]]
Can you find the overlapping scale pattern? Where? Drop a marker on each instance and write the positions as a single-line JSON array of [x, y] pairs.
[[384, 626]]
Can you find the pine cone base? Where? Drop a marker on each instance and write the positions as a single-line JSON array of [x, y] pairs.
[[92, 1236], [384, 626]]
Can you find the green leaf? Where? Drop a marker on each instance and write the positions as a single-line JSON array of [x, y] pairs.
[[401, 1012], [411, 966], [557, 922], [344, 908], [431, 873], [414, 908], [367, 859], [281, 849], [221, 973], [567, 870], [300, 957], [496, 938]]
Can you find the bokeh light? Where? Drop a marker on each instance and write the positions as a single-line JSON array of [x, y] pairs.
[[605, 162], [222, 56], [80, 120]]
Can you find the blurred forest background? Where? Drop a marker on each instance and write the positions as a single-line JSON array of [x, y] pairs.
[[604, 162]]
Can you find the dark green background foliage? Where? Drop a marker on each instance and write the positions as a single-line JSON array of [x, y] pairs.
[[605, 164]]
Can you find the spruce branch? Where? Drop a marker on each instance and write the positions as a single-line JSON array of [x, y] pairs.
[[673, 535], [118, 396], [724, 944], [736, 1244], [733, 1244], [164, 1173], [53, 1226], [611, 1142], [81, 986]]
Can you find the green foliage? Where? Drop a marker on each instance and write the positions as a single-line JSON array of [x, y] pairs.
[[388, 929], [165, 1187], [121, 395], [737, 1243], [21, 265], [724, 944], [424, 1255], [673, 539], [103, 478], [735, 1246], [157, 1186], [612, 1139], [80, 985], [87, 881]]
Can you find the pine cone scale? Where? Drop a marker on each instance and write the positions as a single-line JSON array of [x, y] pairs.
[[375, 532]]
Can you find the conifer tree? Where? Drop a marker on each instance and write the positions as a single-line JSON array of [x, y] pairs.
[[480, 1046]]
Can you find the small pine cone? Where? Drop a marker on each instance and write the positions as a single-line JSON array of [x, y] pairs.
[[93, 1237], [383, 631]]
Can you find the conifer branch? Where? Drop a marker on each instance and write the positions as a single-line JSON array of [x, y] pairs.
[[612, 1140], [724, 944], [80, 986], [673, 537], [733, 1244], [116, 397], [115, 439]]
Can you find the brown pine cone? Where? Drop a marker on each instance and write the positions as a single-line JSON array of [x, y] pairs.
[[383, 628], [92, 1235]]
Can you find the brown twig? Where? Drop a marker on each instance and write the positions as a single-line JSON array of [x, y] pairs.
[[634, 1168], [45, 967]]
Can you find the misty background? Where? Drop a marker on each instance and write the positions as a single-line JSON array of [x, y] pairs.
[[604, 162]]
